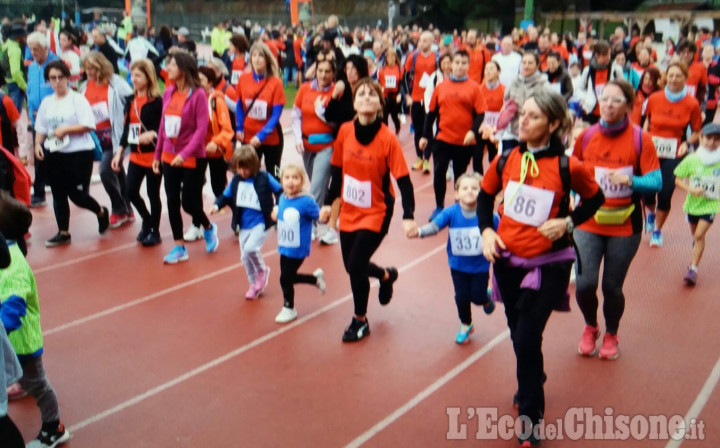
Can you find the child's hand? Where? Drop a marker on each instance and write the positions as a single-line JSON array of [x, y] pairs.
[[697, 191], [274, 214], [213, 210], [325, 213]]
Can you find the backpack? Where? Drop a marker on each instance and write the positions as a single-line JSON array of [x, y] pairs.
[[411, 73], [17, 179]]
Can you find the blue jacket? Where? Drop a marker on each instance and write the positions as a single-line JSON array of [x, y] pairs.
[[37, 87]]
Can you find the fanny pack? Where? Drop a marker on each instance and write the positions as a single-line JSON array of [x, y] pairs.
[[320, 139], [614, 216]]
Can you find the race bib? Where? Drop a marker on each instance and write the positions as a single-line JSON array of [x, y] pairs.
[[587, 55], [54, 144], [172, 126], [235, 77], [357, 193], [424, 81], [491, 119], [258, 110], [556, 87], [666, 147], [247, 196], [610, 190], [711, 185], [599, 90], [466, 241], [390, 82], [100, 112], [529, 205], [288, 233], [134, 133], [691, 90]]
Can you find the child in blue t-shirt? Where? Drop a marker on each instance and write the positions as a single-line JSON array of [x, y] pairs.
[[295, 215], [251, 197], [468, 267]]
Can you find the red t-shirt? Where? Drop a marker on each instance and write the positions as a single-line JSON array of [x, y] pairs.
[[311, 124], [137, 157], [493, 97], [424, 67], [670, 120], [255, 119], [97, 96], [12, 114], [478, 58], [520, 238], [696, 78], [365, 169], [238, 68], [618, 152], [389, 78], [456, 104]]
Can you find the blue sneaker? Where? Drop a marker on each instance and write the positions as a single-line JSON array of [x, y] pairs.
[[179, 253], [489, 306], [657, 239], [650, 223], [211, 238], [463, 335], [434, 214]]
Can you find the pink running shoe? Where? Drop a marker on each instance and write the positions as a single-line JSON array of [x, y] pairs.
[[609, 349], [251, 293], [261, 280], [588, 342]]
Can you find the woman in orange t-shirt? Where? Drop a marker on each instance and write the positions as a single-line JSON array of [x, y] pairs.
[[142, 121], [531, 249], [389, 78], [494, 92], [668, 115], [366, 153], [649, 84], [218, 140], [237, 50]]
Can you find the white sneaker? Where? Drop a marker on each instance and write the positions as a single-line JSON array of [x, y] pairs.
[[320, 276], [313, 234], [286, 315], [330, 237], [194, 234]]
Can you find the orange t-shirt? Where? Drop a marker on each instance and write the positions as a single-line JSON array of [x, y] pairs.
[[173, 111], [562, 51], [238, 68], [366, 186], [601, 78], [12, 114], [618, 152], [456, 104], [97, 96], [543, 61], [637, 112], [255, 119], [522, 239], [137, 157], [670, 120], [229, 90], [389, 78], [311, 123], [424, 68], [697, 76], [478, 58], [493, 97]]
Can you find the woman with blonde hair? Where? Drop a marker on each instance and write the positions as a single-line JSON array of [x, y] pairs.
[[107, 94], [260, 103], [142, 121]]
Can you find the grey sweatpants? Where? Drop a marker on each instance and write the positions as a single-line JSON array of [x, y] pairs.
[[317, 165], [35, 383], [251, 243]]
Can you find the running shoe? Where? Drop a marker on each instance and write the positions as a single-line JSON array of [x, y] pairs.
[[650, 223], [320, 279], [193, 234], [426, 166], [329, 237], [418, 165], [691, 277], [529, 442], [356, 331], [434, 214], [58, 240], [211, 238], [179, 253], [37, 202], [152, 239], [463, 336], [286, 315], [144, 232], [489, 306], [104, 220], [656, 240], [116, 220], [261, 280], [50, 439], [609, 349], [251, 293], [386, 287], [588, 342]]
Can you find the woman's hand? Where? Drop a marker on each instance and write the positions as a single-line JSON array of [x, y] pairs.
[[338, 90], [325, 213], [211, 148], [410, 228], [683, 149], [553, 229], [617, 178], [117, 161], [146, 138], [60, 132], [178, 161], [469, 138], [491, 243], [39, 154], [156, 166], [255, 142], [422, 144]]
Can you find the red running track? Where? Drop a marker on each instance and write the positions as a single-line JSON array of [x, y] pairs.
[[147, 355]]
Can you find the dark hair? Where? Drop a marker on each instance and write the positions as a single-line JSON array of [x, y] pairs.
[[627, 90], [554, 54], [687, 45], [245, 157], [57, 65], [240, 42], [535, 56], [461, 53], [71, 36], [601, 47], [360, 65], [187, 65], [443, 56], [655, 76], [209, 73]]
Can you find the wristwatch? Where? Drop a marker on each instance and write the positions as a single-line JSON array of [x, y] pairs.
[[570, 224]]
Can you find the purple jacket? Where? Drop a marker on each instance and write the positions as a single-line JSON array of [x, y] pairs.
[[194, 126]]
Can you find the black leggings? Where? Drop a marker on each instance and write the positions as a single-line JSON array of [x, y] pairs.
[[135, 176], [469, 288], [218, 177], [417, 115], [69, 177], [289, 277], [444, 153], [527, 313], [273, 154], [357, 249], [183, 185], [392, 109], [478, 152], [9, 433], [664, 197]]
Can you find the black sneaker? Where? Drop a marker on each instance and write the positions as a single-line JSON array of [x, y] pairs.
[[386, 286], [516, 400], [103, 221], [356, 331], [144, 232], [529, 442], [58, 240], [152, 239], [52, 438], [37, 202]]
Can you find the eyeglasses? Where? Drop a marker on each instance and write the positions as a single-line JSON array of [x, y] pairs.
[[612, 99], [56, 78]]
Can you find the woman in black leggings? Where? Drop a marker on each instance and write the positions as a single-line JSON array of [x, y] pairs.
[[366, 153]]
